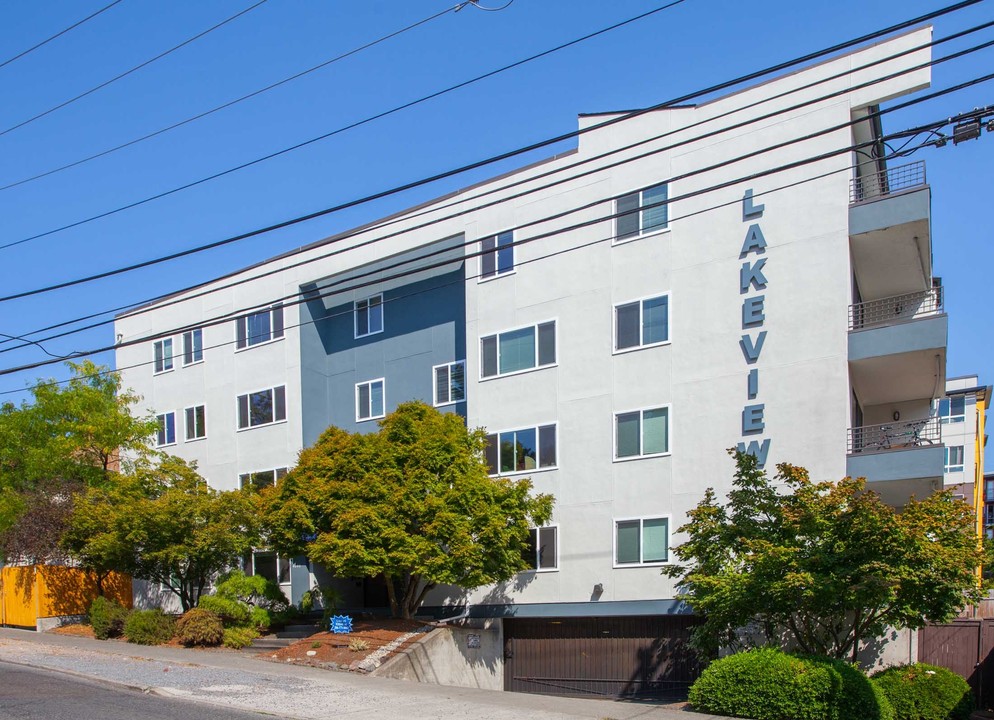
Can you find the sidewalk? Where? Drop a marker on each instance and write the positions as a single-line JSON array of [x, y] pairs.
[[239, 681]]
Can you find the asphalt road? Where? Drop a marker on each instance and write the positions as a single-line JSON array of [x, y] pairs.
[[30, 693]]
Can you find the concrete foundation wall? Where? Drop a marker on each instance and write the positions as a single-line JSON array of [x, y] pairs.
[[446, 656]]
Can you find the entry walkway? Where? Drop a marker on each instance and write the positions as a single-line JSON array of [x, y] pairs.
[[238, 681]]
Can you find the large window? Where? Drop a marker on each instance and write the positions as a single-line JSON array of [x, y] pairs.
[[641, 541], [642, 433], [193, 346], [163, 355], [450, 382], [642, 323], [369, 316], [196, 422], [954, 458], [262, 407], [260, 327], [952, 409], [541, 552], [512, 451], [167, 429], [369, 400], [518, 350], [498, 255], [261, 478], [640, 213]]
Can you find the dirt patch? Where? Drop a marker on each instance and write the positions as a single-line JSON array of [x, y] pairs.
[[332, 651], [76, 630]]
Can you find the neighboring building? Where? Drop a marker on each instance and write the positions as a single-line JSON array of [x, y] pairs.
[[614, 363], [963, 414], [987, 519]]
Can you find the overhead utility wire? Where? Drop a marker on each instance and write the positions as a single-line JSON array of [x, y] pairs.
[[47, 40], [230, 103], [308, 297], [505, 155], [136, 68], [147, 263], [462, 201], [344, 128]]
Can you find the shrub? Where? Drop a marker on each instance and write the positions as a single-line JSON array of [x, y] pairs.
[[200, 627], [358, 645], [259, 617], [252, 590], [925, 692], [149, 627], [239, 637], [107, 618], [230, 611], [768, 684]]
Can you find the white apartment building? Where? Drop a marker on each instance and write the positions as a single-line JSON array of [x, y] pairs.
[[617, 317]]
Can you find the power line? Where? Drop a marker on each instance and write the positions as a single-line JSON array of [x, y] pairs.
[[344, 128], [47, 40], [463, 201], [238, 100], [136, 68]]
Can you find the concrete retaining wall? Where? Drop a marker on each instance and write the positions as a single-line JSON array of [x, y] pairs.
[[459, 656]]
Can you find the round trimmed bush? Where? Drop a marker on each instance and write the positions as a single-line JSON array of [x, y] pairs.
[[107, 618], [149, 627], [200, 627], [925, 692], [230, 611], [239, 637], [769, 684]]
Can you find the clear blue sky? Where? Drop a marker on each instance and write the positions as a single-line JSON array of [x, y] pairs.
[[694, 45]]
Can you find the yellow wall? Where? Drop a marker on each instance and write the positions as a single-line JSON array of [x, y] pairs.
[[42, 591]]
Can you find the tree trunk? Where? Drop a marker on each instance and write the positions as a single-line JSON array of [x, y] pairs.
[[392, 594]]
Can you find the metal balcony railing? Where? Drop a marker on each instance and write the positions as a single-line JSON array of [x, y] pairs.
[[899, 308], [887, 182], [894, 436]]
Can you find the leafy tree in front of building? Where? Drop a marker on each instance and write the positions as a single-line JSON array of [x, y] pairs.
[[412, 503], [823, 566]]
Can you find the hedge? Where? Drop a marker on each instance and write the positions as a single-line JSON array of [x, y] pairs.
[[925, 692], [107, 618], [149, 627]]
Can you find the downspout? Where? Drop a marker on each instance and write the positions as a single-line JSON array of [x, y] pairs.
[[978, 472]]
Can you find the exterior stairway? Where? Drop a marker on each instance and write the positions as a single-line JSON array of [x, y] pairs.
[[283, 638]]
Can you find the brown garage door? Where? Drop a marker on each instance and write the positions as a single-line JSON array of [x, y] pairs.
[[645, 657]]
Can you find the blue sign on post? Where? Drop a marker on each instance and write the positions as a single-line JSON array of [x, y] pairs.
[[341, 624]]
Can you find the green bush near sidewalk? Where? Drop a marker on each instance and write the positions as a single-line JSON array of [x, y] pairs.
[[149, 627], [107, 618], [925, 692]]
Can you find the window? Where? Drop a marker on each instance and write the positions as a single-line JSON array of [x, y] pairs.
[[193, 346], [989, 514], [640, 213], [369, 316], [954, 458], [167, 429], [642, 433], [262, 408], [163, 355], [450, 382], [641, 541], [498, 255], [196, 422], [261, 479], [952, 410], [988, 490], [512, 451], [518, 350], [541, 552], [259, 327], [642, 323], [270, 566], [369, 400]]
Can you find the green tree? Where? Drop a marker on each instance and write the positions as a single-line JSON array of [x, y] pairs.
[[826, 566], [164, 524], [411, 503]]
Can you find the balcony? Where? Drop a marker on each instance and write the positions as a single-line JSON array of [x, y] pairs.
[[899, 308], [898, 459], [890, 231]]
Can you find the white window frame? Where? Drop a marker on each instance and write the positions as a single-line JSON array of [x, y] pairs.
[[950, 419], [534, 368], [641, 345], [171, 358], [518, 428], [164, 430], [434, 383], [642, 456], [537, 528], [275, 471], [383, 381], [497, 272], [186, 427], [956, 467], [189, 334], [642, 233], [642, 564], [249, 394], [242, 321], [355, 317]]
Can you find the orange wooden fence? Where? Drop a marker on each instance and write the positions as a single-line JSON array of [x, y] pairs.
[[31, 592]]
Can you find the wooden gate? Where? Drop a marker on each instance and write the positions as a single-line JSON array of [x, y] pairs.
[[967, 648], [630, 657], [33, 592]]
